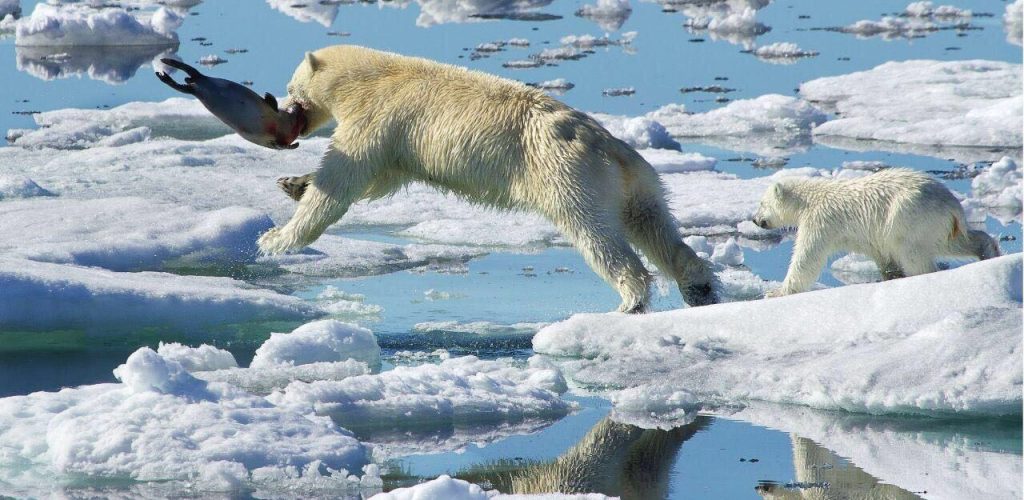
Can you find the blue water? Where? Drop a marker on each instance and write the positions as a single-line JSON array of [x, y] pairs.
[[705, 460]]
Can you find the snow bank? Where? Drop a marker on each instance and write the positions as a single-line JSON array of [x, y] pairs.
[[765, 125], [78, 24], [782, 53], [45, 296], [457, 391], [939, 344], [951, 460], [161, 424], [610, 15], [950, 103], [1013, 22], [318, 342], [998, 190]]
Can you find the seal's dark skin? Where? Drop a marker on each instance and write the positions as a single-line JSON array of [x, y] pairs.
[[255, 118]]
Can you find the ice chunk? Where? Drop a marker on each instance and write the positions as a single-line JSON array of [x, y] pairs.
[[732, 20], [667, 161], [610, 15], [728, 253], [442, 487], [16, 186], [949, 103], [195, 359], [639, 132], [1013, 22], [85, 25], [316, 342], [434, 12], [782, 53], [938, 344], [853, 269], [927, 9], [655, 407], [322, 13], [484, 328], [211, 60], [265, 379], [998, 189], [163, 425], [457, 391], [10, 11], [766, 125], [44, 296]]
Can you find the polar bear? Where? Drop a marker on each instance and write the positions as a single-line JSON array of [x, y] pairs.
[[490, 140], [900, 218]]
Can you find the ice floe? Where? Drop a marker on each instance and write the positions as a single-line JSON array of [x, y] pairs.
[[639, 132], [782, 53], [732, 20], [610, 15], [483, 328], [998, 188], [448, 488], [319, 341], [1013, 22], [946, 343], [10, 11], [84, 25], [434, 12], [769, 125], [322, 13], [918, 19], [944, 103]]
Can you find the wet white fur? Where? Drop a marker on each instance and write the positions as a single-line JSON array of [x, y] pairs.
[[490, 140], [900, 218]]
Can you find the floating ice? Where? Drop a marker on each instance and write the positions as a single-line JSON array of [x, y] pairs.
[[768, 125], [939, 344], [998, 189], [434, 12], [322, 13], [948, 103], [556, 86], [731, 20], [610, 15], [456, 489], [85, 25], [161, 424], [782, 53], [458, 391], [1013, 22], [639, 132], [483, 328], [194, 359], [927, 9], [317, 342], [655, 406], [917, 20], [10, 11], [728, 253], [853, 269], [667, 161], [618, 91], [211, 60]]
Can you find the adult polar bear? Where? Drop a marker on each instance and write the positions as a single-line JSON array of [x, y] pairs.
[[493, 141]]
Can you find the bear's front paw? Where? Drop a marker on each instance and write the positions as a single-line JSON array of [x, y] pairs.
[[771, 294], [273, 242]]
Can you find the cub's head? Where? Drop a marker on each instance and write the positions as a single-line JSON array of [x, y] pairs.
[[306, 93], [779, 207]]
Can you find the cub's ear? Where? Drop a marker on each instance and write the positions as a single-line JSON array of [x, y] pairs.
[[312, 62], [270, 100], [778, 189]]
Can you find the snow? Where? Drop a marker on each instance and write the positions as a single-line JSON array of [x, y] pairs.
[[1013, 22], [318, 342], [945, 343], [17, 186], [998, 189], [194, 359], [84, 25], [852, 269], [161, 424], [949, 103], [782, 53], [609, 15], [767, 125], [458, 391], [556, 86], [951, 460], [10, 11]]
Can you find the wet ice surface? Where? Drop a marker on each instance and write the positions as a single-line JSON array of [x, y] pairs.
[[134, 226]]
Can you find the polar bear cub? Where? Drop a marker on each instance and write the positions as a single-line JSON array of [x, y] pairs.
[[490, 140], [900, 218]]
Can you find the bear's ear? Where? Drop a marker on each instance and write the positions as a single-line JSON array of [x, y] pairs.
[[778, 190], [311, 61]]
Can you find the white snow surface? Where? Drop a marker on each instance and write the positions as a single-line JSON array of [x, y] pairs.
[[74, 24], [938, 344], [948, 103], [317, 342], [162, 424], [1013, 22]]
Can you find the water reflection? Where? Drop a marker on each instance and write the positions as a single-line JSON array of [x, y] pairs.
[[821, 474], [110, 64]]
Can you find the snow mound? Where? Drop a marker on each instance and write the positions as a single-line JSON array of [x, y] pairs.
[[317, 342], [163, 425], [938, 344], [194, 359], [610, 15], [949, 103], [457, 391], [79, 24], [16, 186], [45, 296], [998, 189], [764, 125]]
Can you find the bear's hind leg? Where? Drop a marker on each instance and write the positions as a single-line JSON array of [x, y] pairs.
[[651, 229], [918, 263]]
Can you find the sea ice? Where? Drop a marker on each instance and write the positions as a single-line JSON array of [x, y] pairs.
[[1013, 22], [639, 132], [83, 25], [17, 186], [483, 328], [609, 15], [946, 343], [448, 488], [948, 103], [322, 13], [998, 189], [731, 20], [317, 342], [782, 53]]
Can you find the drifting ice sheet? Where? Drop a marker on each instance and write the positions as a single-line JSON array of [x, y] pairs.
[[78, 24], [941, 344]]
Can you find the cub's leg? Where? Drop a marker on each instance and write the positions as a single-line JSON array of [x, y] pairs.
[[650, 228], [340, 181], [295, 187], [810, 253]]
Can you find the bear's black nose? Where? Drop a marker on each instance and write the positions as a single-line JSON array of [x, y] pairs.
[[761, 223]]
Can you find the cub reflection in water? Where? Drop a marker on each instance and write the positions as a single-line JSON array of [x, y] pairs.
[[821, 474]]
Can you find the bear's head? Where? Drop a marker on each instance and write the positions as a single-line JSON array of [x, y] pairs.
[[306, 84], [778, 208]]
